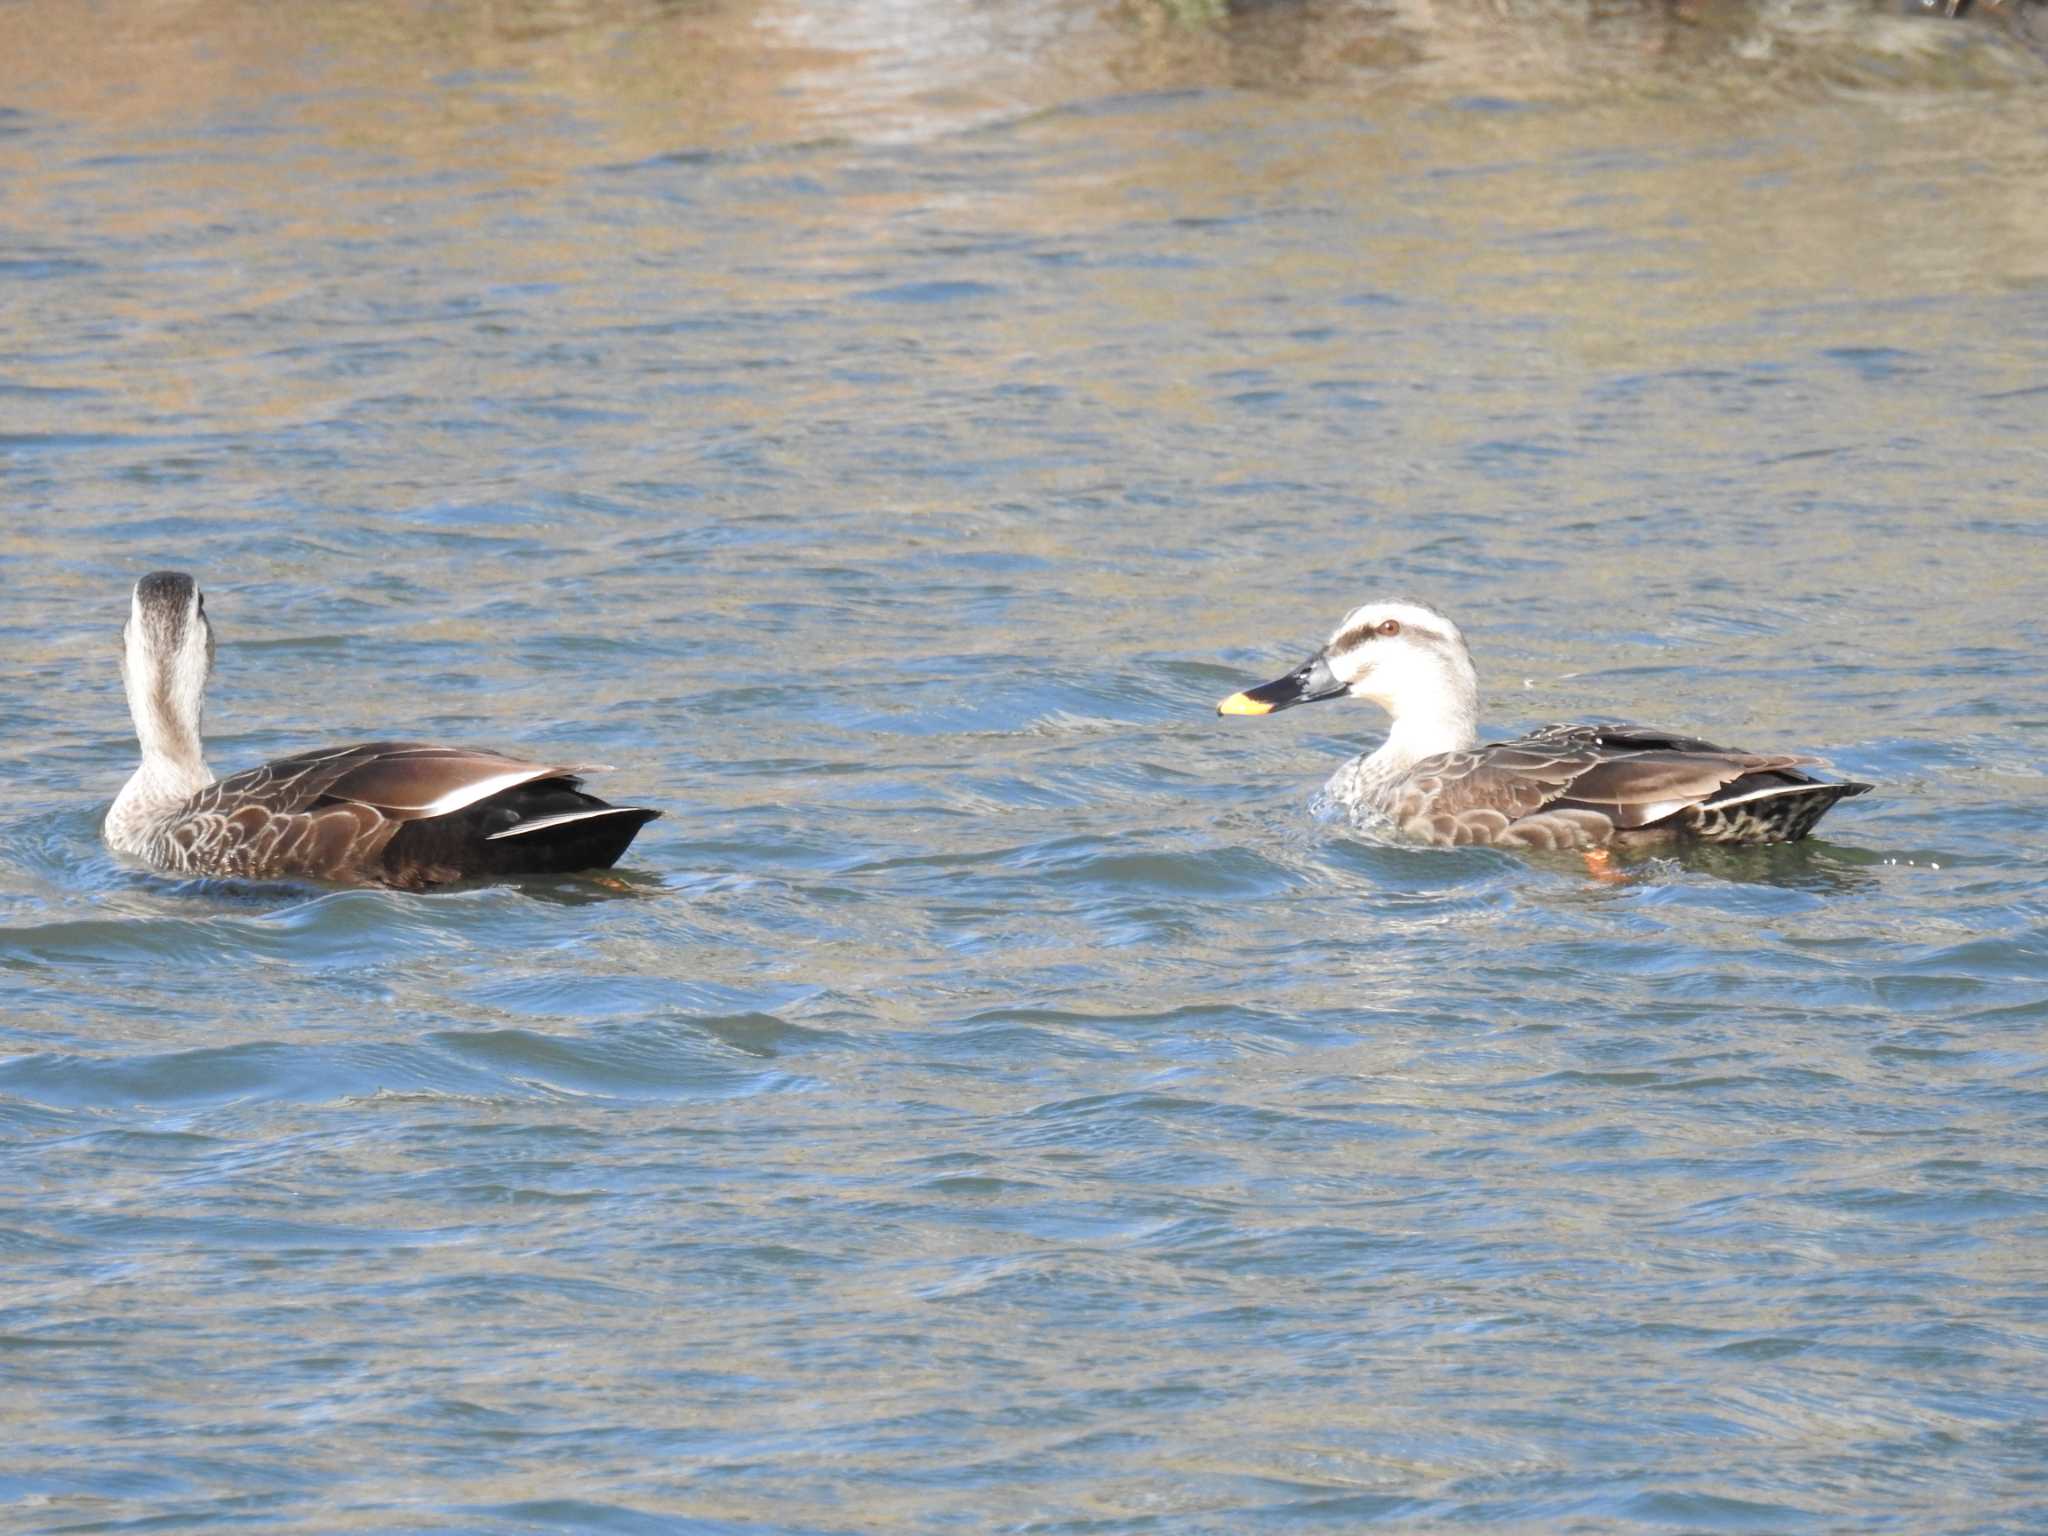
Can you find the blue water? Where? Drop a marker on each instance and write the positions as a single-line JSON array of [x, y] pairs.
[[993, 1098]]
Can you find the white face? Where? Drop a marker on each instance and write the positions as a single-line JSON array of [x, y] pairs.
[[1395, 653], [1405, 657]]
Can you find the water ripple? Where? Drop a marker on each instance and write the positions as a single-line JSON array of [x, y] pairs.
[[997, 1095]]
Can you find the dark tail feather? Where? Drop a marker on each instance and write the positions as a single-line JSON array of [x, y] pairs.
[[554, 829], [1752, 812]]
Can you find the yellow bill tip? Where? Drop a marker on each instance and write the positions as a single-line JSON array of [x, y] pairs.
[[1243, 704]]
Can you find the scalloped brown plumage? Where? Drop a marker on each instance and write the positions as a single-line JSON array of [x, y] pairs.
[[396, 813], [1586, 786], [1562, 787]]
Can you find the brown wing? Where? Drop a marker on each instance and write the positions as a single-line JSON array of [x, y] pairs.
[[329, 814], [408, 779], [1638, 775], [1496, 794], [1571, 786]]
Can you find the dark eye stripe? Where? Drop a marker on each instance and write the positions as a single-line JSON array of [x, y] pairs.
[[1365, 632]]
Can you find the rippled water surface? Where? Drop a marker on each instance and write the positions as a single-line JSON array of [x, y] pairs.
[[993, 1098]]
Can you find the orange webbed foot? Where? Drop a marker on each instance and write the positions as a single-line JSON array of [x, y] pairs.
[[1600, 865]]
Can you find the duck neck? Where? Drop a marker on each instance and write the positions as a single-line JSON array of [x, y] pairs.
[[173, 770], [1412, 739], [1440, 715]]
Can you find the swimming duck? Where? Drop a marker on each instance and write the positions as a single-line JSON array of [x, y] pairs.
[[394, 813], [1563, 786]]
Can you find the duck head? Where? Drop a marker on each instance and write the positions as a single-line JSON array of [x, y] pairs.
[[166, 657], [1403, 656]]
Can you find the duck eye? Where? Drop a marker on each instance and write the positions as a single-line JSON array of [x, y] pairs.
[[1389, 627]]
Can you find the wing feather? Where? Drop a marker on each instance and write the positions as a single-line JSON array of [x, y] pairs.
[[401, 780], [1566, 786], [331, 813]]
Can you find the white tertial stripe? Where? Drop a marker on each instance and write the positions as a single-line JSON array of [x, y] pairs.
[[476, 789], [1769, 792], [540, 822]]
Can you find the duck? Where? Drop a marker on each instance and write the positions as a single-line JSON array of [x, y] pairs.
[[402, 814], [1565, 787]]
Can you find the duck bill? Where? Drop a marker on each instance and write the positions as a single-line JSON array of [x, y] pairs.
[[1307, 683]]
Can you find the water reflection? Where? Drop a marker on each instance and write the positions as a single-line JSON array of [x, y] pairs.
[[1813, 865], [477, 79]]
